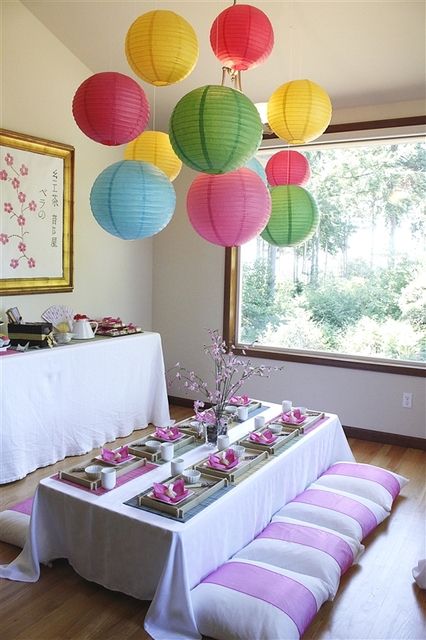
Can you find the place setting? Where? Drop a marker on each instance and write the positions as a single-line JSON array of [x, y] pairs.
[[161, 444], [232, 462]]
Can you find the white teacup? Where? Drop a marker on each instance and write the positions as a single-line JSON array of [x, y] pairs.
[[242, 413], [167, 450], [222, 442], [259, 422], [177, 466], [108, 478], [286, 406]]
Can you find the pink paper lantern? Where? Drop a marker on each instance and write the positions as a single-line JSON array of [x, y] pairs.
[[241, 37], [229, 209], [110, 108], [287, 167]]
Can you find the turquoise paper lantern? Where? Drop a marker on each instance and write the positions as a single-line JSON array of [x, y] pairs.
[[132, 199], [215, 129], [294, 217], [258, 168]]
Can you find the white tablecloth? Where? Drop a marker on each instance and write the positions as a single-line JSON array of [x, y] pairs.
[[70, 399], [151, 557]]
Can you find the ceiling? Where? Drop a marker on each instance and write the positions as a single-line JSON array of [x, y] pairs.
[[362, 52]]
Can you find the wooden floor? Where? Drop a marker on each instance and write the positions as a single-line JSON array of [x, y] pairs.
[[377, 599]]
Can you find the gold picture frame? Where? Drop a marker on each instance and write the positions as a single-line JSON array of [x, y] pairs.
[[36, 215]]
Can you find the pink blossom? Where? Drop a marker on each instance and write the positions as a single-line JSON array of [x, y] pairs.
[[15, 183], [21, 221], [14, 263], [21, 196], [8, 207], [3, 174], [9, 160], [22, 247], [32, 205], [31, 263], [23, 170], [4, 238]]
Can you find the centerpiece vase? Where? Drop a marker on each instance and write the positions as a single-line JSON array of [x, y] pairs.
[[218, 428]]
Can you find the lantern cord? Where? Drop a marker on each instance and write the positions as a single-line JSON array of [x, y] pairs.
[[235, 78]]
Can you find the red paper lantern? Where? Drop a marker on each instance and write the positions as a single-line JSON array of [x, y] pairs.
[[287, 167], [241, 37], [110, 108], [229, 209]]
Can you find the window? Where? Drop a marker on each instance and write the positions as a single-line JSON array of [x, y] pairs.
[[355, 293]]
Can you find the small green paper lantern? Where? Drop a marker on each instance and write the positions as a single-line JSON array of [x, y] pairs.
[[215, 129], [294, 217]]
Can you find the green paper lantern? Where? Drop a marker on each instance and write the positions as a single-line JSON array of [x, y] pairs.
[[294, 217], [215, 129]]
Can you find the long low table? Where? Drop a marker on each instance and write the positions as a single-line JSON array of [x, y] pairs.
[[70, 399], [151, 557]]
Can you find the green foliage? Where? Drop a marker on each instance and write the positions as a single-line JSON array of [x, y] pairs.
[[413, 301], [389, 339], [299, 333]]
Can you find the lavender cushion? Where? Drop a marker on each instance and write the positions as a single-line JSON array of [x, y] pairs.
[[345, 513], [244, 599], [298, 546]]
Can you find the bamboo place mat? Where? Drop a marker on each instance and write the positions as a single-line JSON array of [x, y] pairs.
[[133, 502], [126, 477]]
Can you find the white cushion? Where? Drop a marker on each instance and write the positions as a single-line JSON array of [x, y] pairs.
[[366, 480], [342, 512], [14, 527], [283, 607], [298, 546]]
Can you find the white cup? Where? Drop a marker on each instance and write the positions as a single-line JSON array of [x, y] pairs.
[[167, 450], [242, 413], [259, 422], [177, 466], [286, 406], [222, 442], [108, 478]]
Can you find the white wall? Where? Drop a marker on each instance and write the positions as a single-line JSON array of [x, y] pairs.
[[39, 77], [188, 290]]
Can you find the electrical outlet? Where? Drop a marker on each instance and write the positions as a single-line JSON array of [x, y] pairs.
[[407, 400]]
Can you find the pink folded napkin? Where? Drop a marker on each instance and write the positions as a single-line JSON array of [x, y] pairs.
[[241, 400], [115, 456], [172, 493], [167, 433], [293, 417], [224, 460], [266, 437]]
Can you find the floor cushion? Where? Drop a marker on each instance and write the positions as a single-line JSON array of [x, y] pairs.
[[366, 480], [245, 600], [14, 527], [297, 546], [343, 512]]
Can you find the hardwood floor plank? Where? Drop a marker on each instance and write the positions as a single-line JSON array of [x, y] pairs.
[[377, 600]]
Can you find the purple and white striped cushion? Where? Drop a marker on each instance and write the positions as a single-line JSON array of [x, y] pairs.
[[244, 599], [366, 480], [320, 553], [343, 512]]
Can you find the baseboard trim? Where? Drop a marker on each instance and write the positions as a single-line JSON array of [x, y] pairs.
[[410, 442]]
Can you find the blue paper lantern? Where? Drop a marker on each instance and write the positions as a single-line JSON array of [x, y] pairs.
[[258, 168], [132, 199]]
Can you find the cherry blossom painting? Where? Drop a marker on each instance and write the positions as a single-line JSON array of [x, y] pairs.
[[36, 180]]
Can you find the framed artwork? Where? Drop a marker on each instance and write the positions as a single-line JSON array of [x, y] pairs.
[[36, 215]]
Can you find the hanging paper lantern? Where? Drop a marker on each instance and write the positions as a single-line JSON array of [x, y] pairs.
[[241, 37], [131, 199], [215, 129], [258, 168], [287, 167], [110, 108], [294, 217], [299, 111], [161, 47], [155, 147], [228, 210]]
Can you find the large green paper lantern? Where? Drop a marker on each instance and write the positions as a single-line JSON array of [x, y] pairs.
[[215, 129], [294, 217]]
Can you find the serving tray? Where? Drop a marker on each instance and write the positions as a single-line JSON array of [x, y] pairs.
[[283, 438], [252, 457], [312, 418], [137, 448], [77, 475], [202, 490]]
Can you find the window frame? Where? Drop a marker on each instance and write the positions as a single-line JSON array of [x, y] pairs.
[[403, 127]]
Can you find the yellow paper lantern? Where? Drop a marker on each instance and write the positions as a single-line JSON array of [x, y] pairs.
[[155, 147], [161, 47], [299, 111]]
